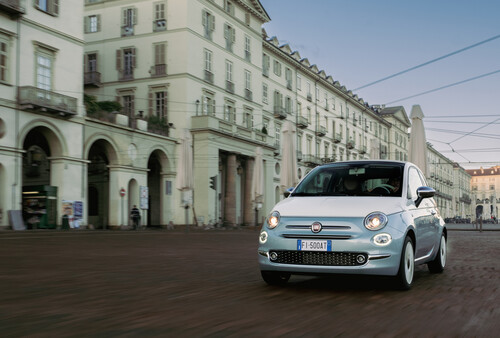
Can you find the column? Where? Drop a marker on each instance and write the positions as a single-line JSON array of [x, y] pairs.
[[248, 210], [230, 196]]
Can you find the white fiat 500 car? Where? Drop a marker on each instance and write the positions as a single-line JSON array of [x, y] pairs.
[[355, 217]]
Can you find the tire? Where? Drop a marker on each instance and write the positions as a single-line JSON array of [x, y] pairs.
[[438, 264], [404, 278], [275, 278]]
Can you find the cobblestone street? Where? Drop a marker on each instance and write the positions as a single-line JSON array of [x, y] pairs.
[[207, 283]]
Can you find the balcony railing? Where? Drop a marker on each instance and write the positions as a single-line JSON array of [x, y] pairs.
[[230, 87], [158, 70], [311, 160], [337, 138], [302, 122], [279, 112], [350, 145], [309, 97], [13, 7], [92, 79], [321, 131], [248, 95], [46, 101], [362, 150], [127, 30], [209, 76], [159, 25]]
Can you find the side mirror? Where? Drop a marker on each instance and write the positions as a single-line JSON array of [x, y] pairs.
[[288, 192], [424, 192]]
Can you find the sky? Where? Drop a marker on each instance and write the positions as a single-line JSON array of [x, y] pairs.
[[358, 42]]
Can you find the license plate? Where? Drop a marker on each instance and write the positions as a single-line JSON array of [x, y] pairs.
[[314, 245]]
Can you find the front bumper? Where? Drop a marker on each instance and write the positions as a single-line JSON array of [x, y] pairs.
[[353, 250]]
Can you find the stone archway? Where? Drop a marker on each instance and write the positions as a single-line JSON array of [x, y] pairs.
[[100, 155], [157, 166]]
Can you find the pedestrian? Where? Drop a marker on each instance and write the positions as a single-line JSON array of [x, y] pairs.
[[479, 218], [135, 214]]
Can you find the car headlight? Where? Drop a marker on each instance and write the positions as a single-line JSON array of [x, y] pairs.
[[375, 221], [273, 220]]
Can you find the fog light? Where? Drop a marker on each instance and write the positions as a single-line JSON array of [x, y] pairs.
[[382, 239], [273, 256], [263, 237], [361, 259]]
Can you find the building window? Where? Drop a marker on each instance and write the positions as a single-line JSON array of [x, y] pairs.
[[91, 63], [229, 110], [266, 64], [158, 105], [248, 80], [208, 104], [125, 63], [230, 36], [277, 136], [288, 105], [160, 67], [92, 23], [277, 68], [299, 82], [48, 6], [44, 71], [4, 60], [160, 21], [247, 19], [299, 108], [288, 78], [265, 96], [208, 60], [248, 118], [208, 22], [248, 53], [128, 105], [229, 7], [229, 71]]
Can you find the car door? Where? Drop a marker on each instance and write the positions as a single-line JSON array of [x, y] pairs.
[[422, 215]]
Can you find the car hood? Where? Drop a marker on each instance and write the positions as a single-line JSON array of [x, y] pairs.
[[337, 206]]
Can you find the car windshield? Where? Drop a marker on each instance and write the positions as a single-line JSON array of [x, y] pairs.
[[353, 179]]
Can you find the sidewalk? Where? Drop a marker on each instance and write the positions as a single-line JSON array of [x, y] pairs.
[[472, 227]]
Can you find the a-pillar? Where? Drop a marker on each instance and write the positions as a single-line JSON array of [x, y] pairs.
[[248, 211], [230, 196]]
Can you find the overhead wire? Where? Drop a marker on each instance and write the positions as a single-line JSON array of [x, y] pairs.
[[429, 62]]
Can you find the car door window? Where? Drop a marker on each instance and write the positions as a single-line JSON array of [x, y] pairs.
[[414, 182]]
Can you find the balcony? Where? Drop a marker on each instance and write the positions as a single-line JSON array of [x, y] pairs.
[[230, 87], [321, 131], [299, 155], [45, 101], [311, 160], [127, 31], [302, 122], [325, 160], [350, 145], [279, 112], [248, 95], [289, 85], [158, 70], [209, 76], [265, 71], [309, 97], [362, 150], [92, 79], [337, 138], [159, 25], [126, 75], [12, 7]]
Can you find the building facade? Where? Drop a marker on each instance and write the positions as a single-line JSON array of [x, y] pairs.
[[485, 188], [101, 139]]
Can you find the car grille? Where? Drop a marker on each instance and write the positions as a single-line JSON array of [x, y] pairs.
[[319, 258]]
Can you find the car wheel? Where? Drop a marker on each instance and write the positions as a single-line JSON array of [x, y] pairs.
[[275, 278], [438, 264], [404, 277]]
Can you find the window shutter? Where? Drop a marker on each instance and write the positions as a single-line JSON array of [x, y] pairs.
[[86, 63], [86, 24], [134, 57], [213, 107], [204, 18], [98, 22], [150, 103], [211, 19], [134, 16], [124, 18], [55, 7], [119, 59], [226, 32], [233, 34], [165, 111]]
